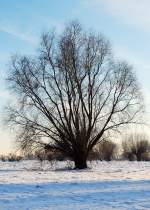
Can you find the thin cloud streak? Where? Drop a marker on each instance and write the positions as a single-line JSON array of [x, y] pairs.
[[25, 36]]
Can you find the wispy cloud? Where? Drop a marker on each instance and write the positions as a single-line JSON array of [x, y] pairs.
[[28, 36], [14, 31]]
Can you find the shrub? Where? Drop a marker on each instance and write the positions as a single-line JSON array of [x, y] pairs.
[[136, 147], [13, 157], [3, 158], [49, 154], [107, 150], [103, 151], [94, 155]]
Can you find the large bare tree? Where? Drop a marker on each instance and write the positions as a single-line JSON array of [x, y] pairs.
[[71, 94]]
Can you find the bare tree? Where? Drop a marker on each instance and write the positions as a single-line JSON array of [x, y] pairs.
[[71, 94], [106, 150], [136, 147]]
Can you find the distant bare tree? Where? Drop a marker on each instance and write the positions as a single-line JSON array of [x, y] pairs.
[[106, 150], [136, 147], [71, 94]]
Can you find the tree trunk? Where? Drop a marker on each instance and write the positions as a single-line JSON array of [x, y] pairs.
[[80, 162], [139, 156]]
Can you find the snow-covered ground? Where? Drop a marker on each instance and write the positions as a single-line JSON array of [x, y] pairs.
[[28, 185]]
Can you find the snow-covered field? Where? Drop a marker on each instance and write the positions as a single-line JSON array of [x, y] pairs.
[[28, 185]]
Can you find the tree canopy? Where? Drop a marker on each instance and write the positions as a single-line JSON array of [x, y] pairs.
[[71, 94]]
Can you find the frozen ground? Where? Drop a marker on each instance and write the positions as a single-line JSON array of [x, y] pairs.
[[28, 185]]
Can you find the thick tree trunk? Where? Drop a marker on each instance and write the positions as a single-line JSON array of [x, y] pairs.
[[139, 156], [80, 162]]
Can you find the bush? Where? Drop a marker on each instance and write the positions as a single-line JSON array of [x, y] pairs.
[[136, 147], [50, 155], [3, 158], [10, 157], [13, 157], [103, 151], [94, 155], [107, 150]]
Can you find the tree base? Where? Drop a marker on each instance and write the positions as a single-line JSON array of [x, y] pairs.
[[81, 165]]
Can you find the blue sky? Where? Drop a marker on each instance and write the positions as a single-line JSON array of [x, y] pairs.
[[125, 23]]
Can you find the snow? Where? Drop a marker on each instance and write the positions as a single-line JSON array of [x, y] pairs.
[[30, 185]]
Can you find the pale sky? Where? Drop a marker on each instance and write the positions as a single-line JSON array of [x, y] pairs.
[[126, 23]]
